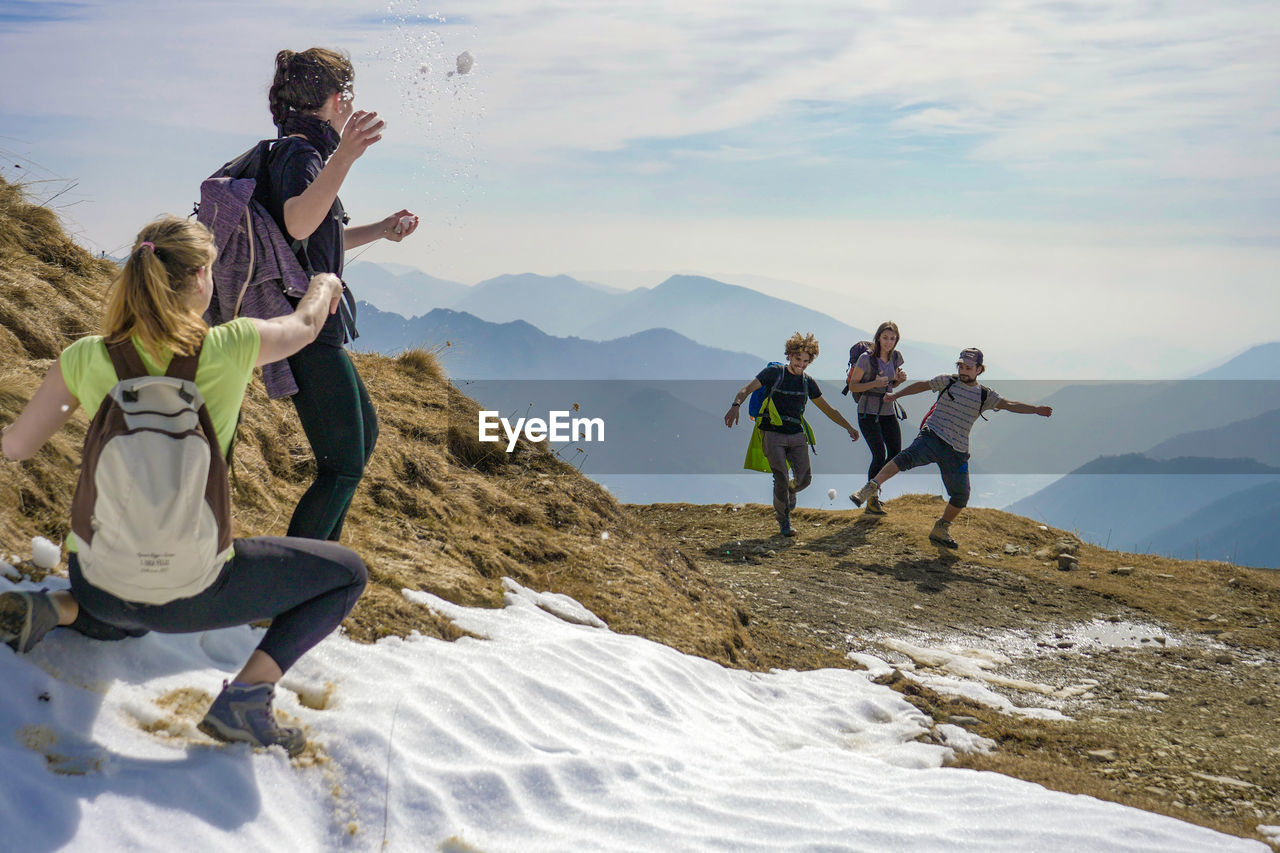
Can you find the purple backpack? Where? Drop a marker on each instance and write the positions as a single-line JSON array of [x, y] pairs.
[[256, 267]]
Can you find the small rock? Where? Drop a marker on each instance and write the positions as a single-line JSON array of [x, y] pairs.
[[1042, 554], [1010, 549], [962, 720], [1165, 577], [1101, 755], [1224, 658], [1067, 563], [1255, 700], [1113, 619], [1123, 571], [793, 590], [1066, 644]]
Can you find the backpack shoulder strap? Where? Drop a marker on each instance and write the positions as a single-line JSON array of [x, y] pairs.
[[125, 359], [184, 366]]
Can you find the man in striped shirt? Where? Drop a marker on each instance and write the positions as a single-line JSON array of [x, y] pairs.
[[944, 436]]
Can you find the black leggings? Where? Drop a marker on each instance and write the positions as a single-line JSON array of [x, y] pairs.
[[306, 588], [884, 439], [342, 427]]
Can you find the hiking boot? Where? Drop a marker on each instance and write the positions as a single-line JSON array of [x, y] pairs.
[[866, 493], [874, 507], [941, 534], [784, 528], [791, 495], [25, 617], [242, 713]]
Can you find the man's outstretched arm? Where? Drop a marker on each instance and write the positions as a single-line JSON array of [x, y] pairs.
[[731, 416], [1024, 408], [907, 391], [830, 411]]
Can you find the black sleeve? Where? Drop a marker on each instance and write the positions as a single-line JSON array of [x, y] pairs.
[[814, 391], [293, 169]]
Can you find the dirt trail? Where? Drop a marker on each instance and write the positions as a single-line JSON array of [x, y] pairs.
[[1168, 670]]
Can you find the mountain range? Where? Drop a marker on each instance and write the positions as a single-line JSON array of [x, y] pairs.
[[713, 313], [471, 348]]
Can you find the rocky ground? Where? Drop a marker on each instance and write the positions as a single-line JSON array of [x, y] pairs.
[[1163, 675]]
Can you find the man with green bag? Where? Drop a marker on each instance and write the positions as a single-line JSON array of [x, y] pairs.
[[782, 436]]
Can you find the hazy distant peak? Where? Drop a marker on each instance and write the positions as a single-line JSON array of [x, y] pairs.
[[701, 283], [1259, 362], [1138, 463], [530, 278]]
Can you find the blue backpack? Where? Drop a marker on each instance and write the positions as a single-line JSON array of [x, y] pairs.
[[758, 396]]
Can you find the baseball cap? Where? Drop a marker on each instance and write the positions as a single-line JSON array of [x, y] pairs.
[[971, 355]]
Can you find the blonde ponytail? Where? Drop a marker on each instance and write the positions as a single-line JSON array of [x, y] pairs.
[[148, 299]]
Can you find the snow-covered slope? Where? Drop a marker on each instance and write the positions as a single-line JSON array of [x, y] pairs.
[[551, 733]]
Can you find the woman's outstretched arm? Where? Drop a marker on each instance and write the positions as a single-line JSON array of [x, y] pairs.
[[50, 408]]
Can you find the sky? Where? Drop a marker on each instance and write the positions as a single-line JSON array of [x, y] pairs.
[[542, 730], [1045, 177]]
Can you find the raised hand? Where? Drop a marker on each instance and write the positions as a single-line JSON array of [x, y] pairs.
[[361, 130], [398, 225]]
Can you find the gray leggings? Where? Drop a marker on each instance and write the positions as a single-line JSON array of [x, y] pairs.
[[306, 587], [781, 448]]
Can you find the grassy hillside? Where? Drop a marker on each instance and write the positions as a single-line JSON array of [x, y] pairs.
[[438, 511]]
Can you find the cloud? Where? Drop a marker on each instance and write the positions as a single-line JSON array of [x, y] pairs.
[[1026, 81]]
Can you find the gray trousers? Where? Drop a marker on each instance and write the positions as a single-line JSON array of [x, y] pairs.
[[781, 448]]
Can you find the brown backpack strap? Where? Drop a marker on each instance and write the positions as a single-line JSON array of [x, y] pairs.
[[184, 366], [125, 359]]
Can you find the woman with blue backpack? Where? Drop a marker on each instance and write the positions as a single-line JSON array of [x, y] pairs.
[[150, 547], [322, 135], [873, 373]]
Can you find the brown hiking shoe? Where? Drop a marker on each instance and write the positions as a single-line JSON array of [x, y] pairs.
[[941, 535], [866, 493]]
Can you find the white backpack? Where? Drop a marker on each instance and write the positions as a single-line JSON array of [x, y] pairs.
[[152, 508]]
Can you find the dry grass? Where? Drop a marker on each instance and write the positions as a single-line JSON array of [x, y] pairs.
[[438, 511]]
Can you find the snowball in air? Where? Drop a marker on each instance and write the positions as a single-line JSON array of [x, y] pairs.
[[44, 553], [604, 535], [831, 493], [465, 61]]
